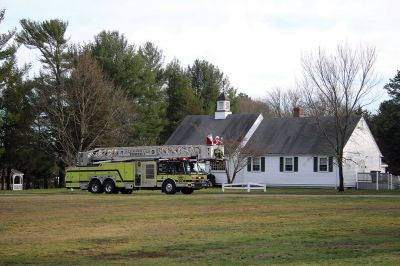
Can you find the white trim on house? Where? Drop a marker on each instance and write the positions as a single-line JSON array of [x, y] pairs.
[[252, 130]]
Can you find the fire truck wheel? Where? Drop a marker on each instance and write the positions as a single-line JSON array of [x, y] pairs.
[[95, 186], [109, 187], [169, 187], [187, 191]]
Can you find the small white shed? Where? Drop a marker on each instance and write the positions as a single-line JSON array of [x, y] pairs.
[[17, 180]]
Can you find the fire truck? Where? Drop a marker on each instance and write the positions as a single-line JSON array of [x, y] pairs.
[[169, 168]]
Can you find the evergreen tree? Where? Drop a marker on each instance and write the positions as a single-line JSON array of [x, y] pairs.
[[49, 38], [151, 102], [386, 127], [118, 59], [181, 99], [16, 114], [393, 87], [140, 73], [208, 82]]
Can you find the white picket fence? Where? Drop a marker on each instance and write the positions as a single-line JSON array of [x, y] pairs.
[[245, 186]]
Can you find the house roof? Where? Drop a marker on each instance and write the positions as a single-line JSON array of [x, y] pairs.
[[194, 128], [223, 97], [295, 136], [16, 172]]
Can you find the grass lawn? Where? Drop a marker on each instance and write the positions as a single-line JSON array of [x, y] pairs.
[[282, 226]]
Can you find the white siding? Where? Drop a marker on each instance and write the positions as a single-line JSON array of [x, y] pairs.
[[361, 153], [305, 177]]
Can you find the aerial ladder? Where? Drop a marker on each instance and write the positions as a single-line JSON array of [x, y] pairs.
[[120, 154]]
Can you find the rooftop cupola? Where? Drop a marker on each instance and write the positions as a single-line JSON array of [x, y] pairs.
[[223, 106]]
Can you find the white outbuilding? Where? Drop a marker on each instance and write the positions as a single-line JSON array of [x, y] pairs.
[[17, 180]]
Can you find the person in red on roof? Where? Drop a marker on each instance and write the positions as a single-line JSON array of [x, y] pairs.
[[209, 140], [217, 141]]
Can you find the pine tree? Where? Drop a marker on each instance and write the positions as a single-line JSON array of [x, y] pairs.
[[181, 99]]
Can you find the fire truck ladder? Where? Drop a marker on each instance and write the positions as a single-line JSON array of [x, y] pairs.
[[201, 152]]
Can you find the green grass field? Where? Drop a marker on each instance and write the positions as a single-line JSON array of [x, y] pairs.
[[206, 228]]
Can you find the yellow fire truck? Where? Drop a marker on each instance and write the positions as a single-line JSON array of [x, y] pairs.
[[170, 168]]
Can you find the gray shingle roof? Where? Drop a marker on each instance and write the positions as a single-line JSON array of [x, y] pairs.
[[194, 128], [288, 136], [296, 136]]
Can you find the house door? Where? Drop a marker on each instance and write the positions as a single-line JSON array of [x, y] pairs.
[[148, 174]]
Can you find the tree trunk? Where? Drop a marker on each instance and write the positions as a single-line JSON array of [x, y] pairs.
[[61, 178], [61, 173], [228, 176], [45, 183], [233, 177], [8, 177], [341, 183], [3, 175], [27, 182]]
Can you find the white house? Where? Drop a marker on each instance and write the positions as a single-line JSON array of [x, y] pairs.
[[294, 150]]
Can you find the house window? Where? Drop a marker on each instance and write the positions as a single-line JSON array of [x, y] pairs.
[[217, 165], [256, 164], [323, 164], [288, 164]]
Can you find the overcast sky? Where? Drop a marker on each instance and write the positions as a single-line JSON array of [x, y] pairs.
[[257, 44]]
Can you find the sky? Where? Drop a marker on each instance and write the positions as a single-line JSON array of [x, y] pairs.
[[257, 44]]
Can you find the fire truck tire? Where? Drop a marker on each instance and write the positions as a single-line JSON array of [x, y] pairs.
[[169, 187], [95, 186], [109, 187], [186, 190]]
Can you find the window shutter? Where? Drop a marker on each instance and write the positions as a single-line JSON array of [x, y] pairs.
[[315, 164], [296, 164], [249, 164], [281, 164], [262, 164], [330, 164]]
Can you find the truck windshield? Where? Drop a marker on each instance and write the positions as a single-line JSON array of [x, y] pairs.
[[195, 168]]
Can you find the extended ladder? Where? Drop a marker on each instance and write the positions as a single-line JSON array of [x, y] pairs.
[[201, 152]]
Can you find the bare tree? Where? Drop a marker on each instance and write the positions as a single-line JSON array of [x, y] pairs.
[[248, 105], [238, 151], [337, 85], [282, 102], [93, 112]]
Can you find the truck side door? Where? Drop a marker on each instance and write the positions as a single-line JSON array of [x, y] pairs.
[[148, 174]]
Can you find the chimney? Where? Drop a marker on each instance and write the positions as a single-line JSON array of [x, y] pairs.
[[298, 112]]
